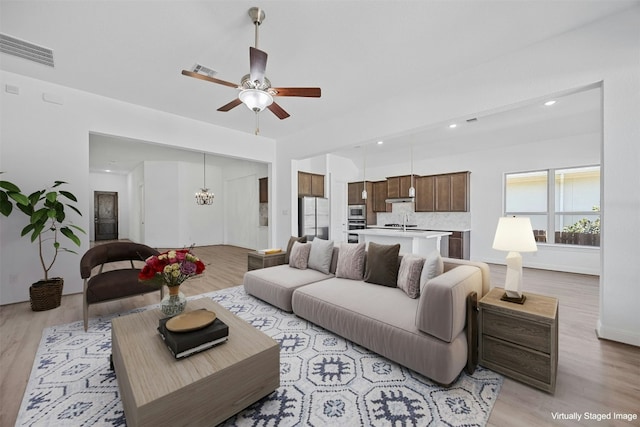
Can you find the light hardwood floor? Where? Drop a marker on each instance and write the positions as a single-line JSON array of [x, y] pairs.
[[594, 376]]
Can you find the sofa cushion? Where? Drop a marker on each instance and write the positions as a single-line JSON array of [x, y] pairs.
[[320, 255], [409, 275], [382, 264], [293, 239], [275, 285], [433, 267], [381, 319], [299, 257], [351, 261]]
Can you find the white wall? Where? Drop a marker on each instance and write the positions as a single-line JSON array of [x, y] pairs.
[[135, 195], [42, 142], [243, 211], [605, 51], [172, 219]]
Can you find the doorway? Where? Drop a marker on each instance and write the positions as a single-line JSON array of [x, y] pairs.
[[105, 215]]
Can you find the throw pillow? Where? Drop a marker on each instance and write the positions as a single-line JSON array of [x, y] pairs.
[[320, 256], [433, 267], [299, 255], [382, 264], [293, 239], [351, 261], [409, 275]]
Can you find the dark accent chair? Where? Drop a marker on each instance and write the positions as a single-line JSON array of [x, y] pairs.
[[114, 283]]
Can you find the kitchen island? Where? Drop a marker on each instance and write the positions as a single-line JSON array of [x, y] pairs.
[[411, 241]]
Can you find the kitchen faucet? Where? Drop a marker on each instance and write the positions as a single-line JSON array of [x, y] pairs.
[[405, 218]]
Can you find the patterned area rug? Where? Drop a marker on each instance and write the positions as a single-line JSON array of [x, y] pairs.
[[325, 380]]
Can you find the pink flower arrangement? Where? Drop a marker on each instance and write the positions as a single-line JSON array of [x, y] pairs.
[[171, 268]]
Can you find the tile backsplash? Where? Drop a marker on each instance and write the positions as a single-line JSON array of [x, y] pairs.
[[425, 220]]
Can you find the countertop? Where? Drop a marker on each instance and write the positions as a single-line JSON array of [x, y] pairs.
[[382, 227], [395, 232]]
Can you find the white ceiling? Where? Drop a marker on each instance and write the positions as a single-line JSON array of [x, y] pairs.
[[356, 51]]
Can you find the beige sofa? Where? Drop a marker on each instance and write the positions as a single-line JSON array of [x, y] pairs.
[[427, 334]]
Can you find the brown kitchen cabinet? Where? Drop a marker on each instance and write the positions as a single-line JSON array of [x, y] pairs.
[[354, 193], [379, 197], [459, 245], [264, 190], [398, 186], [452, 192], [310, 184], [425, 194], [317, 185]]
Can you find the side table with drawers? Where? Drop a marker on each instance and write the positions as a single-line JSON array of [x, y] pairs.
[[520, 340]]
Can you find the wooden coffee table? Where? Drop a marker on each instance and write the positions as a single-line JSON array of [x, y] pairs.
[[202, 389]]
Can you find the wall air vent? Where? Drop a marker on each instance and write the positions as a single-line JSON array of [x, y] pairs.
[[201, 69], [23, 49]]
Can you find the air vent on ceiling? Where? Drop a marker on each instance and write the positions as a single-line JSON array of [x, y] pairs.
[[26, 50], [201, 69], [475, 119]]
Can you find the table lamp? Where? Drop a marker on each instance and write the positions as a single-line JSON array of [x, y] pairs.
[[515, 235]]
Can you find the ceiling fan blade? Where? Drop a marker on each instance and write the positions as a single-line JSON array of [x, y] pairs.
[[278, 111], [229, 106], [209, 79], [257, 64], [309, 92]]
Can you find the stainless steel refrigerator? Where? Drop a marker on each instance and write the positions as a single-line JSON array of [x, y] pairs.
[[313, 217]]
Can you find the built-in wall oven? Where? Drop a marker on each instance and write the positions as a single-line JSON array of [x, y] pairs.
[[357, 220], [357, 212], [355, 224]]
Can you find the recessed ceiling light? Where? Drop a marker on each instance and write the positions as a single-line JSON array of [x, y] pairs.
[[453, 125], [107, 170], [548, 103], [380, 142]]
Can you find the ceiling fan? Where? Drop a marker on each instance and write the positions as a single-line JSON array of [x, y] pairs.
[[255, 89]]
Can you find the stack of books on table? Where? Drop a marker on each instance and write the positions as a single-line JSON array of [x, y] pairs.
[[269, 251], [183, 344]]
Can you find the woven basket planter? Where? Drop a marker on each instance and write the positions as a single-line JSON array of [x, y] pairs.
[[46, 294]]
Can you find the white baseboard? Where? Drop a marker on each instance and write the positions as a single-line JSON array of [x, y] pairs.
[[613, 334], [546, 266]]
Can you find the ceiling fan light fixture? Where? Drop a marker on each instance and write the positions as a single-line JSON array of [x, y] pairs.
[[255, 99]]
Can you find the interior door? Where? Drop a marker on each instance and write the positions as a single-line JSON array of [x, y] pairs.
[[105, 215]]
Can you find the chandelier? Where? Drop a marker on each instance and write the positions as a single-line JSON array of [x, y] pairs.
[[203, 197]]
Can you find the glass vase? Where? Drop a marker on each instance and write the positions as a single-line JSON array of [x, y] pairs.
[[174, 303]]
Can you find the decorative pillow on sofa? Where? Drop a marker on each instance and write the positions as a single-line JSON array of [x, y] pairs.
[[351, 261], [409, 274], [293, 239], [299, 255], [433, 267], [320, 256], [382, 264]]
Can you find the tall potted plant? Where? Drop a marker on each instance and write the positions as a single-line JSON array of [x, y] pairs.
[[47, 224]]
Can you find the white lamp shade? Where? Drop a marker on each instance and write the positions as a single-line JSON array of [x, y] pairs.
[[514, 234], [256, 99]]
